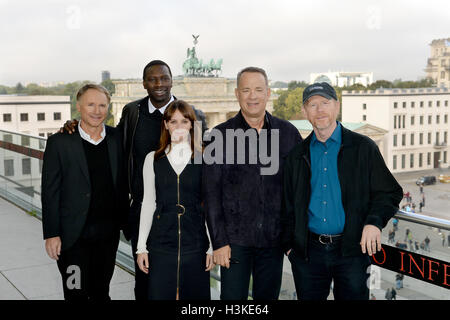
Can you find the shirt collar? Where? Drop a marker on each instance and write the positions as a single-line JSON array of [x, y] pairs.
[[151, 107], [244, 125], [336, 136], [84, 135]]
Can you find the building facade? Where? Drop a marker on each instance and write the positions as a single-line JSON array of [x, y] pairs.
[[438, 65], [22, 118], [214, 96], [375, 133], [416, 121], [33, 115], [342, 79]]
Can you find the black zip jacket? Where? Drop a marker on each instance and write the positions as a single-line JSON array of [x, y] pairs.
[[370, 194], [242, 206]]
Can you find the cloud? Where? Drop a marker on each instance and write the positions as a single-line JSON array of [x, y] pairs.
[[76, 40]]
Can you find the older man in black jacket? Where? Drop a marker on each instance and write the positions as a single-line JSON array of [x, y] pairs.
[[242, 191], [338, 195]]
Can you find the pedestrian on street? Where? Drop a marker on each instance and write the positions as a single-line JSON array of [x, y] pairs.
[[395, 224], [393, 294], [427, 244], [399, 281], [388, 294]]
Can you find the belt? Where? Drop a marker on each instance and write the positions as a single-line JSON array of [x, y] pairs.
[[325, 238]]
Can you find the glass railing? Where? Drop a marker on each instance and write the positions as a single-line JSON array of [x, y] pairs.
[[424, 264]]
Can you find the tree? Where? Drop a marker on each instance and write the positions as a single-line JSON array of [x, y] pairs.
[[297, 84], [19, 88], [288, 106]]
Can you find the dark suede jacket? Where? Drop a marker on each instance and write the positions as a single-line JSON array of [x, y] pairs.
[[370, 194], [242, 206]]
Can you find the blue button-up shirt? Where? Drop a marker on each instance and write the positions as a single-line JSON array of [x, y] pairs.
[[326, 213]]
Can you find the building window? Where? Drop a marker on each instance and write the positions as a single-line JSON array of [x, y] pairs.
[[430, 104], [420, 138], [412, 104], [395, 140], [445, 137], [404, 105], [364, 106], [24, 117], [411, 160], [41, 116], [412, 139], [446, 103], [445, 157], [26, 166], [56, 115], [421, 104], [420, 160], [395, 105], [429, 158], [437, 138], [446, 118], [412, 120], [403, 161], [421, 120], [429, 119], [404, 117], [429, 137], [395, 122], [364, 117], [394, 163], [442, 74], [438, 103], [403, 139], [9, 167], [7, 117]]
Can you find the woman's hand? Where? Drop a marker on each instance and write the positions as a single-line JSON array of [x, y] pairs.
[[142, 261], [209, 262]]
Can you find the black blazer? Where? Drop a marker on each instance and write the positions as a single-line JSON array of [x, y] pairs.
[[66, 185]]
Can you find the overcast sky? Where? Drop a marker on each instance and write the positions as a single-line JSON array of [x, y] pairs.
[[75, 40]]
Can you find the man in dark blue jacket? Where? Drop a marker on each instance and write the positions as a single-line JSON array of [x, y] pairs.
[[242, 191], [337, 196]]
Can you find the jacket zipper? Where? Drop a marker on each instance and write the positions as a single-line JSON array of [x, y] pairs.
[[309, 195], [179, 237], [131, 152]]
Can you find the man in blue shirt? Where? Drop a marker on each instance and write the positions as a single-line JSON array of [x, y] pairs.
[[338, 195]]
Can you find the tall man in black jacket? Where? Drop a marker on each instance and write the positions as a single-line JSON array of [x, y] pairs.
[[338, 195], [242, 191], [83, 200]]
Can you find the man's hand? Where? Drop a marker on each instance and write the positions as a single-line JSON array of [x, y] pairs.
[[222, 256], [53, 247], [370, 239], [209, 262], [142, 261], [69, 126]]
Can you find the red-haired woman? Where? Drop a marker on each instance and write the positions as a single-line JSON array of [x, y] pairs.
[[172, 225]]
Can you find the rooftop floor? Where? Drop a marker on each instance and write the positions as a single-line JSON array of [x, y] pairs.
[[26, 272]]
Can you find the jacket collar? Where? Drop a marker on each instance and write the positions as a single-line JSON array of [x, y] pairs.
[[346, 141], [240, 122]]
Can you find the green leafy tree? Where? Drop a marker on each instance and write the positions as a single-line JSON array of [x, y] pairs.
[[289, 104]]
